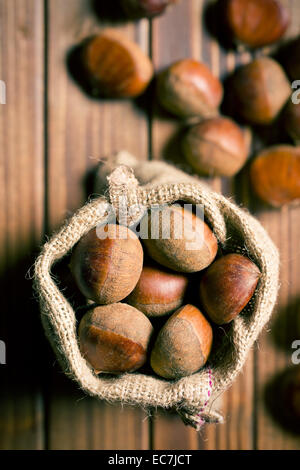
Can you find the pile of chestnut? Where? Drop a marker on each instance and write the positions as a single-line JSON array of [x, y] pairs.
[[260, 93], [132, 283], [132, 280]]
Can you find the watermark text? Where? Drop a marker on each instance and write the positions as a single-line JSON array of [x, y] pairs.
[[296, 354], [296, 94], [2, 92], [2, 353], [160, 222]]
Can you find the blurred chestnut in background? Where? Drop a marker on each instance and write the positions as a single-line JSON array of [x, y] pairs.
[[115, 66], [179, 240], [114, 338], [107, 269], [291, 118], [183, 344], [259, 90], [145, 8], [290, 391], [216, 146], [159, 291], [187, 88], [256, 23], [275, 175], [227, 286]]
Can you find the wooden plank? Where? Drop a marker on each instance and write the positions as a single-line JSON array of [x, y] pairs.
[[81, 131], [274, 353], [192, 39], [237, 406], [168, 430], [21, 220]]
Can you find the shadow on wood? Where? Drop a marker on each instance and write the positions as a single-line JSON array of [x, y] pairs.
[[280, 400], [215, 24], [286, 327], [109, 11], [23, 376]]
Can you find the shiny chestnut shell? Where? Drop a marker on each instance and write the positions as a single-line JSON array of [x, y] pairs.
[[275, 175], [179, 240], [114, 338], [183, 344], [107, 269], [216, 146], [187, 88], [227, 286], [159, 290], [256, 23], [259, 90], [115, 66]]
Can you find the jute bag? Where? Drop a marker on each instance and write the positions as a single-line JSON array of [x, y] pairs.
[[159, 183]]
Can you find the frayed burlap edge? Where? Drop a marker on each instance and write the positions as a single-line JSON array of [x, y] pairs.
[[193, 396]]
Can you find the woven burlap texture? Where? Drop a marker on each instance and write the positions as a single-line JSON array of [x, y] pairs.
[[237, 231]]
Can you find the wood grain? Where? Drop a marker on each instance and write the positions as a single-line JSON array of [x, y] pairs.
[[52, 131], [81, 131], [21, 220], [168, 430], [274, 350], [193, 40]]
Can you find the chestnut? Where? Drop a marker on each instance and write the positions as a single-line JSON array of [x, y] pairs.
[[114, 338], [145, 8], [159, 291], [227, 286], [187, 88], [216, 146], [107, 269], [179, 240], [291, 118], [275, 175], [256, 23], [259, 90], [115, 66], [183, 344]]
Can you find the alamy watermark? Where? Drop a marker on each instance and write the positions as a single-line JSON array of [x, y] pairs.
[[296, 94], [2, 353], [2, 92], [158, 222], [296, 354]]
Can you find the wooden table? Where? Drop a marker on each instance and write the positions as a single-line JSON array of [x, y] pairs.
[[51, 136]]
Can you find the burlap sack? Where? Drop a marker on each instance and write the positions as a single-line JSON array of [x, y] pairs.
[[237, 231]]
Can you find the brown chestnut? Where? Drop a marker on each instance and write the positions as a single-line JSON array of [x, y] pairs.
[[145, 8], [216, 146], [107, 269], [275, 175], [260, 89], [115, 66], [188, 88], [291, 117], [183, 344], [227, 286], [114, 338], [179, 240], [159, 291], [256, 23]]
